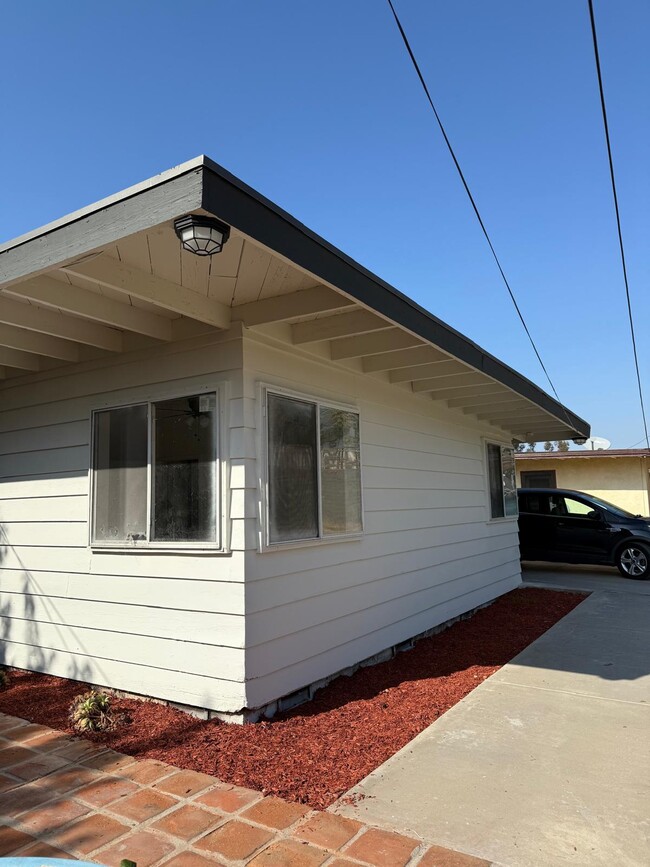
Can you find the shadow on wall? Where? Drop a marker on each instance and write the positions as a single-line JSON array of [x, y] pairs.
[[21, 643]]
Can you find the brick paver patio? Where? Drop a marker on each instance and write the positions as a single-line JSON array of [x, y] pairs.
[[67, 798]]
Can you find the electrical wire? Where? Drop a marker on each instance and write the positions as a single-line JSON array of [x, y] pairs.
[[473, 203], [642, 440], [618, 216]]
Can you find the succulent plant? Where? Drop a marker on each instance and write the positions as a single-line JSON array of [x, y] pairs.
[[91, 712]]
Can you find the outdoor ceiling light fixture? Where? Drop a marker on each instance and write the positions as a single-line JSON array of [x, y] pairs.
[[202, 235], [579, 441]]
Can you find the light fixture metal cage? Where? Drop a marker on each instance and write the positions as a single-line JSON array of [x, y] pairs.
[[201, 235]]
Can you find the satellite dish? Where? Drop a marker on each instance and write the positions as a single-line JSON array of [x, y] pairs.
[[594, 444]]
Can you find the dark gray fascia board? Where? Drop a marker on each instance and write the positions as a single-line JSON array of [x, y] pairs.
[[228, 198], [135, 209]]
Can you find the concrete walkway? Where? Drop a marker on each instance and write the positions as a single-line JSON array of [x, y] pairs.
[[559, 576], [65, 798], [548, 761]]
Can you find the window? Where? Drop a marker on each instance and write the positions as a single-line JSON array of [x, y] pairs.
[[155, 472], [538, 479], [314, 470], [502, 479], [562, 507]]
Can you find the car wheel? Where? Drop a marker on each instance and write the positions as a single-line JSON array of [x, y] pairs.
[[633, 561]]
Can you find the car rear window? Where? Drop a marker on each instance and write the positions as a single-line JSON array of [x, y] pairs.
[[536, 504]]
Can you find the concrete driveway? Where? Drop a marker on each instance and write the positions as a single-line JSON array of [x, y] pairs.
[[548, 761]]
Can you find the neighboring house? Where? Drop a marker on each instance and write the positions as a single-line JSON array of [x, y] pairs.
[[621, 476], [225, 478]]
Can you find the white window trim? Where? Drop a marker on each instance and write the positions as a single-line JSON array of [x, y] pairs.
[[222, 472], [264, 545], [486, 470]]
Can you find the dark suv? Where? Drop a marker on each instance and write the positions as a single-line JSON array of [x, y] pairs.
[[572, 527]]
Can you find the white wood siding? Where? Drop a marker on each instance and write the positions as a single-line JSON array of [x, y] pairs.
[[169, 625], [428, 553]]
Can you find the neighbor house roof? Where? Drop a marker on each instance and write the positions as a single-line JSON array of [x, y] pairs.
[[114, 269], [580, 454]]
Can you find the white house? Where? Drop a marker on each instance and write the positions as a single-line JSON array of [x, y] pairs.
[[224, 478]]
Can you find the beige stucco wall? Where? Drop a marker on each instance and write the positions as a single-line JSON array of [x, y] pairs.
[[623, 481]]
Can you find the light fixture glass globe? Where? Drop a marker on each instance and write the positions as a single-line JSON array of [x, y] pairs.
[[201, 235]]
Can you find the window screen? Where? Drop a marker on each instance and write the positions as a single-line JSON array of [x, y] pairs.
[[293, 468], [502, 480], [340, 471], [185, 452], [157, 460], [120, 474], [314, 470]]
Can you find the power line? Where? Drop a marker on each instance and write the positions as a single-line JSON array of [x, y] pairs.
[[471, 198], [618, 216], [643, 439]]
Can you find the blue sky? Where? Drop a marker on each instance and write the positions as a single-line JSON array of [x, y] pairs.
[[317, 106]]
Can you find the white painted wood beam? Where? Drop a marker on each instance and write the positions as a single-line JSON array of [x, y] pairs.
[[501, 396], [59, 325], [459, 380], [345, 324], [369, 344], [512, 407], [106, 271], [40, 344], [72, 299], [541, 434], [18, 359], [427, 371], [403, 358], [518, 421], [320, 299], [523, 412], [486, 388]]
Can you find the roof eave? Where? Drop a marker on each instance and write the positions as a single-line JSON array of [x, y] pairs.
[[201, 184]]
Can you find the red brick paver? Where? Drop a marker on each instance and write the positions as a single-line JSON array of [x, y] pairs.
[[142, 847], [235, 840], [229, 799], [69, 798], [143, 805], [11, 839], [328, 830], [290, 853], [88, 834], [105, 790], [382, 848], [436, 856], [184, 784], [187, 822], [275, 813]]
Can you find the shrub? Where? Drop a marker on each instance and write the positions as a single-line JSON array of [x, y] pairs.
[[91, 712], [4, 678]]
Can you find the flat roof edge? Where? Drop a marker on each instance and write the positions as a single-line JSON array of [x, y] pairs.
[[127, 193], [362, 284]]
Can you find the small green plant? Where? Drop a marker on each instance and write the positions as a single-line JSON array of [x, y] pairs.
[[4, 678], [91, 712]]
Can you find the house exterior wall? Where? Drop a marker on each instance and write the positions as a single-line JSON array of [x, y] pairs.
[[619, 480], [168, 625], [244, 626], [428, 552]]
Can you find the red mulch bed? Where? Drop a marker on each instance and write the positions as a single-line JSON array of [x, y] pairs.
[[318, 751]]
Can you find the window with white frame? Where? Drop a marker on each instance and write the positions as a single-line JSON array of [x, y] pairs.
[[502, 481], [155, 472], [313, 470]]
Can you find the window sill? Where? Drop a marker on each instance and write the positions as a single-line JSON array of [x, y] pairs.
[[309, 543], [158, 549], [505, 520]]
